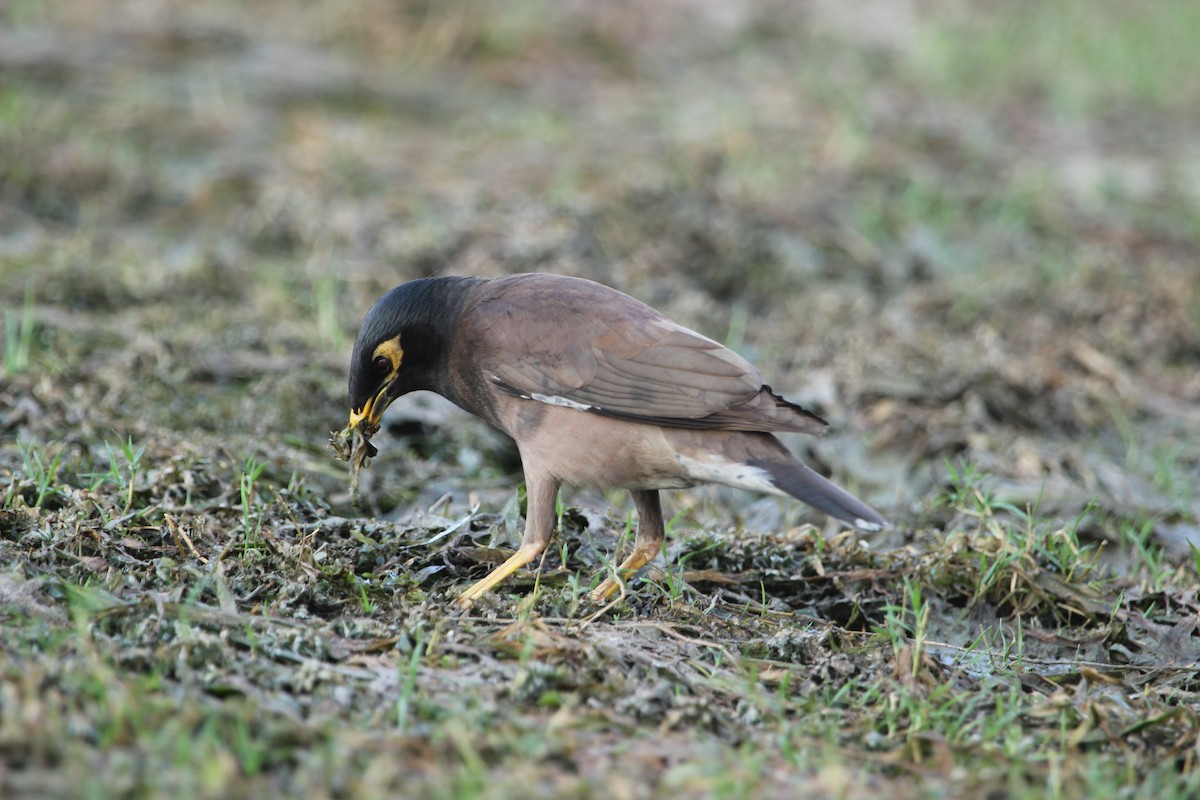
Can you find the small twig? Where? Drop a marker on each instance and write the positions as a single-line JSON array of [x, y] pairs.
[[181, 539], [443, 500], [470, 515], [606, 607], [228, 548]]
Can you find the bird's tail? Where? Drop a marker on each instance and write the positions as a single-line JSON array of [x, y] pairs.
[[822, 494]]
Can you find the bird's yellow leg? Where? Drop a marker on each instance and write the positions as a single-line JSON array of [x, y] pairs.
[[494, 578], [541, 493], [646, 546], [637, 559]]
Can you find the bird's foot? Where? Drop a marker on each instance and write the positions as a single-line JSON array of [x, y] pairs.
[[517, 560], [637, 559]]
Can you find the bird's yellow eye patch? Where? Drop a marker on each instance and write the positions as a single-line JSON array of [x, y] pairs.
[[391, 351]]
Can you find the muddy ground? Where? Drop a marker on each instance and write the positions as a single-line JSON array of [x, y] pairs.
[[967, 236]]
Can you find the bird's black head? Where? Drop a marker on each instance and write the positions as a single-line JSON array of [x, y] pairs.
[[402, 344]]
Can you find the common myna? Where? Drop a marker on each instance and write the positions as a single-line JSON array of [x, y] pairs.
[[597, 389]]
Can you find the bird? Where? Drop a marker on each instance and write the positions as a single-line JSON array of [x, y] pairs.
[[596, 388]]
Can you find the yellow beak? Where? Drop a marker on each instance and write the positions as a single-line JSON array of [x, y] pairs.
[[373, 410]]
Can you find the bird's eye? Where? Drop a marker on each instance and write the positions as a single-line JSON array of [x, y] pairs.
[[382, 364]]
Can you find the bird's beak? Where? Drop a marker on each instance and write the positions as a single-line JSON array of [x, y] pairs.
[[371, 413]]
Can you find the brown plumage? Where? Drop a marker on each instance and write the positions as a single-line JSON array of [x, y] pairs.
[[596, 388]]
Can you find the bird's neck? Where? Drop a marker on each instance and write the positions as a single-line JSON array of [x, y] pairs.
[[433, 333]]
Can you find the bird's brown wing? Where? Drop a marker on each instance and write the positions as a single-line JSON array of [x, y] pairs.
[[571, 342]]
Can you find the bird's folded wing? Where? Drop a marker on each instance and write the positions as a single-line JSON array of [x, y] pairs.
[[574, 343], [656, 370]]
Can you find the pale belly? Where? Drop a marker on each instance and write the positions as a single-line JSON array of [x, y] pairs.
[[584, 449]]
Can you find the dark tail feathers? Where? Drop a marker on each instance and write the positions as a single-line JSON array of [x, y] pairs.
[[822, 494]]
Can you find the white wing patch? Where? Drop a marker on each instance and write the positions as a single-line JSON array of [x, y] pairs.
[[555, 400], [730, 473], [548, 399]]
